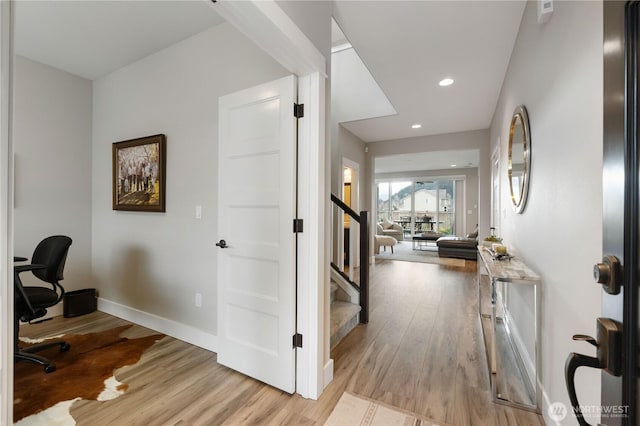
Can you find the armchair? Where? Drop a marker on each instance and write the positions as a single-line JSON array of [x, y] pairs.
[[390, 229], [30, 303]]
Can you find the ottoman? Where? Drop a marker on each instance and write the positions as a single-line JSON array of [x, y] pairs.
[[384, 240], [421, 240], [458, 247]]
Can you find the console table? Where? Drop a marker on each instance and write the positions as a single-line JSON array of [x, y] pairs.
[[514, 371]]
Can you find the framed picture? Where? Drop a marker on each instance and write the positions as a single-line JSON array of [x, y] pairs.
[[139, 179]]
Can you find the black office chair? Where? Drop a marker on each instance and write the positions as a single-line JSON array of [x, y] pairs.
[[30, 303]]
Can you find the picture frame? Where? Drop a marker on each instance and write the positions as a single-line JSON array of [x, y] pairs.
[[139, 174]]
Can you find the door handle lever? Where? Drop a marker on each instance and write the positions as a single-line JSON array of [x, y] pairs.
[[222, 244], [585, 338], [574, 361], [609, 358]]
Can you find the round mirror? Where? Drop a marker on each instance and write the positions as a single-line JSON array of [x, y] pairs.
[[519, 158]]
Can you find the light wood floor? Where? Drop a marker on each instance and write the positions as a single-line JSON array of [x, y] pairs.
[[422, 351]]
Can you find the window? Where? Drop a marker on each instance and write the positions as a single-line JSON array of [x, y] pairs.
[[419, 206]]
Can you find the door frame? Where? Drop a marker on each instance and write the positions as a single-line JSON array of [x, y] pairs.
[[6, 213], [621, 204], [268, 26], [495, 195], [355, 205]]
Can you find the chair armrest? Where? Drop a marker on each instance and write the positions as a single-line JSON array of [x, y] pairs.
[[19, 288], [396, 227], [32, 267], [20, 259]]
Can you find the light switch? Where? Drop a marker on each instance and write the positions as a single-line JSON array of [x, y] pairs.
[[469, 211], [198, 212]]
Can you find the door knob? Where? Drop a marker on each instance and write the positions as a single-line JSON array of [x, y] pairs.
[[609, 358], [609, 274], [222, 244]]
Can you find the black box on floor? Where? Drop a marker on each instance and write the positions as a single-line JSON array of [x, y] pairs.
[[79, 302]]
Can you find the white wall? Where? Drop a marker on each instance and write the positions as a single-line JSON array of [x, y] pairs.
[[157, 262], [478, 192], [52, 144], [348, 145], [556, 72]]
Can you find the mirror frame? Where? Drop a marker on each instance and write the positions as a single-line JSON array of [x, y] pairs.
[[518, 205]]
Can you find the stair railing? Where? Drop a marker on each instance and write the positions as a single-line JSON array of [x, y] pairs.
[[339, 250]]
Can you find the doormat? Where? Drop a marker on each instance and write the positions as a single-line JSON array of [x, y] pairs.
[[355, 410], [86, 371]]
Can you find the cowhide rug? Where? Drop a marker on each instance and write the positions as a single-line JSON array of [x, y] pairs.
[[83, 372]]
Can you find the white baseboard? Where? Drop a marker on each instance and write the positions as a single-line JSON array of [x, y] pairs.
[[328, 373], [162, 325], [544, 407]]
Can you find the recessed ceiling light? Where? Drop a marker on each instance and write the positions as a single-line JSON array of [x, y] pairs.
[[453, 165], [416, 126], [446, 82]]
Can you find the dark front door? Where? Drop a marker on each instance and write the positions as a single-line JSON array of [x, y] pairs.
[[616, 207], [617, 327]]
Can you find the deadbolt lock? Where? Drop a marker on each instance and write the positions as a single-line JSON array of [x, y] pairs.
[[609, 274]]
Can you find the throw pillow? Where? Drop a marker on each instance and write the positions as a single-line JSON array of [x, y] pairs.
[[386, 224], [474, 234]]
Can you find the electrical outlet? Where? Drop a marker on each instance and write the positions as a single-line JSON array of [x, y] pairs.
[[198, 300], [198, 212]]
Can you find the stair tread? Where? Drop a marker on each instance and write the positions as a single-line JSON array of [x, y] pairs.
[[341, 313]]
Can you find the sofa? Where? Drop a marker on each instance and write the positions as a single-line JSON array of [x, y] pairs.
[[459, 247], [389, 229]]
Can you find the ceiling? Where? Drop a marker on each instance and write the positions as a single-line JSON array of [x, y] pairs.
[[435, 160], [93, 38], [409, 46], [404, 47], [355, 94]]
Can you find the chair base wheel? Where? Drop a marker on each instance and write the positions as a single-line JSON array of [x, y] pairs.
[[27, 354]]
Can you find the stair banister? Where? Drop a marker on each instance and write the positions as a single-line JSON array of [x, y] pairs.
[[363, 235]]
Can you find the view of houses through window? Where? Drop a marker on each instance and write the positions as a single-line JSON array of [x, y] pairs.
[[418, 206]]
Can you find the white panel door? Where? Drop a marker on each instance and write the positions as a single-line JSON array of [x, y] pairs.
[[256, 270]]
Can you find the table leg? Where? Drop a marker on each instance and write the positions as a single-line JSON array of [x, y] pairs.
[[494, 368]]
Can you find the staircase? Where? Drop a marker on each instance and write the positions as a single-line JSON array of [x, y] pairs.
[[344, 314], [349, 270]]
